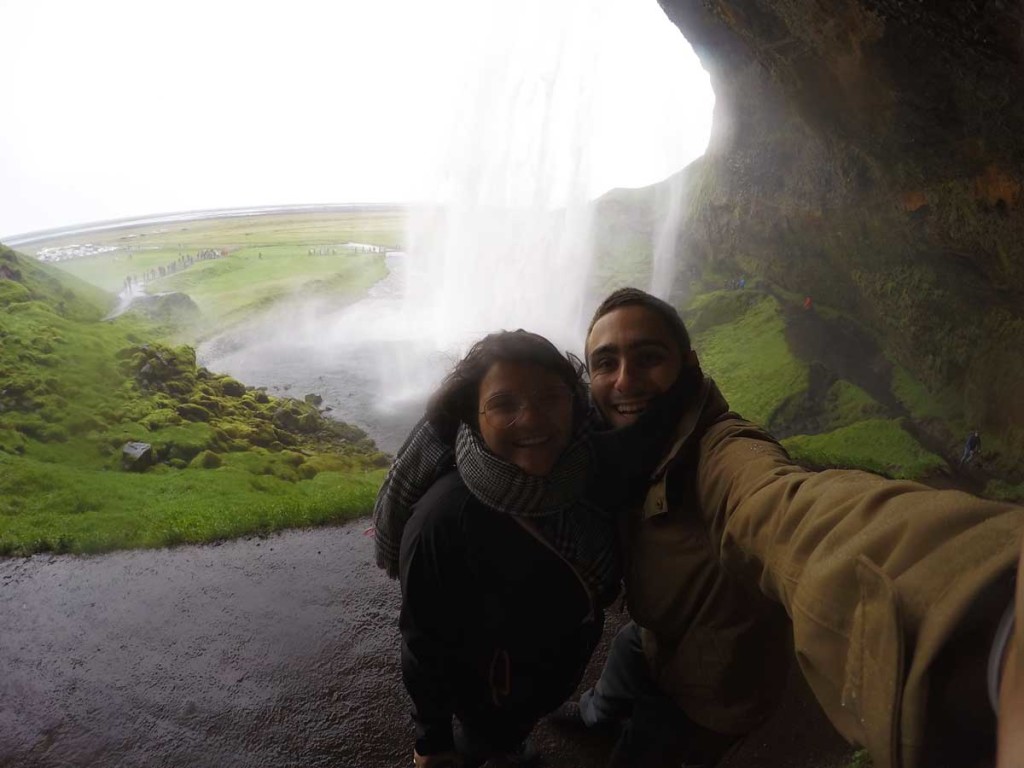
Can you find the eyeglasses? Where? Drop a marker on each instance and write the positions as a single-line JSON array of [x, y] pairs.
[[505, 409]]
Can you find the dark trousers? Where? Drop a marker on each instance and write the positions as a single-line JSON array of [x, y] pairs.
[[653, 725], [478, 738]]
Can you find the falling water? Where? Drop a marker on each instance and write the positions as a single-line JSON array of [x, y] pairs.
[[511, 245], [508, 244]]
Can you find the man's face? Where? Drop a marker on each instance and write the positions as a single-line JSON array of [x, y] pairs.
[[632, 358]]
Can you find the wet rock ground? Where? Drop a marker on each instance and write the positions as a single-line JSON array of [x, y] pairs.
[[280, 651]]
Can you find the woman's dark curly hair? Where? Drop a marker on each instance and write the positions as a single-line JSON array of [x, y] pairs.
[[457, 399]]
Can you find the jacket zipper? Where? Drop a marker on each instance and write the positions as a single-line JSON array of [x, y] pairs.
[[528, 527]]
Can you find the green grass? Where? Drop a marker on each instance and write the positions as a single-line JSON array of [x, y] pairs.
[[232, 287], [749, 358], [267, 260], [64, 508], [877, 445], [847, 404], [230, 460]]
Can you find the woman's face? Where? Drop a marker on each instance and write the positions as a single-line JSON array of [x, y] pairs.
[[525, 414]]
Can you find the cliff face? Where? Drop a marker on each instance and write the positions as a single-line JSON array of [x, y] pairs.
[[870, 153]]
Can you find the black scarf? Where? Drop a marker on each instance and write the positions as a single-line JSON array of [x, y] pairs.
[[632, 453]]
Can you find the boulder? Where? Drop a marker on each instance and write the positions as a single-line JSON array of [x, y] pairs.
[[135, 457], [232, 387], [206, 460]]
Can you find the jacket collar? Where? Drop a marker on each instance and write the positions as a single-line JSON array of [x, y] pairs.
[[708, 405]]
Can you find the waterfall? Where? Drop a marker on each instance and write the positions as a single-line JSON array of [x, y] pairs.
[[510, 245], [558, 101]]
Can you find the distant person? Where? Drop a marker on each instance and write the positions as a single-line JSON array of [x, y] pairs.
[[808, 304], [743, 282], [506, 563], [971, 448]]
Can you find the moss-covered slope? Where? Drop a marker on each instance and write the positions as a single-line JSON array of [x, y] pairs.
[[225, 459]]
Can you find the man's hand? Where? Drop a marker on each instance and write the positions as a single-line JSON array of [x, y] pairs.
[[440, 760]]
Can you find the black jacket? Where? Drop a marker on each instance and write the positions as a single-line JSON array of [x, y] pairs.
[[495, 623]]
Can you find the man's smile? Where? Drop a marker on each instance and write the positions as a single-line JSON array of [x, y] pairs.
[[632, 407]]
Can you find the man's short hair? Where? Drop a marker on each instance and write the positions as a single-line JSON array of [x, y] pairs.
[[631, 297]]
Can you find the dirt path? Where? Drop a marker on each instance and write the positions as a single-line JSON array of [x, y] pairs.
[[261, 652]]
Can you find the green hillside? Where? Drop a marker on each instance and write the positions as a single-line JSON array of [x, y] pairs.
[[227, 459]]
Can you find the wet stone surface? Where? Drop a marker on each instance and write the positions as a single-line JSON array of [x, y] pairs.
[[280, 651]]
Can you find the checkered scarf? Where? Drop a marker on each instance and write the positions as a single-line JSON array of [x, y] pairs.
[[423, 458], [555, 505]]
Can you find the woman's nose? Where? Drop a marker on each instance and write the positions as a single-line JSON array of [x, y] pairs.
[[529, 413]]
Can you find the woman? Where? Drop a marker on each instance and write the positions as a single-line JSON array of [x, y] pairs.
[[505, 564]]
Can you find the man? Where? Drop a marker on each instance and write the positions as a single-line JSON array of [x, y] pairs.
[[895, 593], [971, 448]]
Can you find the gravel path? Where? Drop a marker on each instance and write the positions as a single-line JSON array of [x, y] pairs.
[[280, 651]]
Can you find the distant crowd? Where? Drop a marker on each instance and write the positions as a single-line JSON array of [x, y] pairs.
[[180, 264]]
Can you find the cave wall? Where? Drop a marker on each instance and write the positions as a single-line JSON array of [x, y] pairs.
[[870, 153]]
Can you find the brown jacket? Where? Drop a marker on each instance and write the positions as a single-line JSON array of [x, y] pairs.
[[875, 575]]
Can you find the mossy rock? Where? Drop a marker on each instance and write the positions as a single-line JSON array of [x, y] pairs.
[[263, 435], [184, 442], [206, 460], [211, 404], [348, 433], [11, 441], [193, 412], [309, 423], [160, 418], [307, 471], [285, 438], [230, 387], [169, 308], [292, 459], [158, 368], [295, 416], [236, 429]]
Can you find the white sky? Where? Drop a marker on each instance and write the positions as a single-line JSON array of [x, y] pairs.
[[117, 108]]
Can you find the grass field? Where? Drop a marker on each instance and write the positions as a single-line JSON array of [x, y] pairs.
[[66, 507], [230, 460], [877, 445], [248, 281], [140, 248]]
